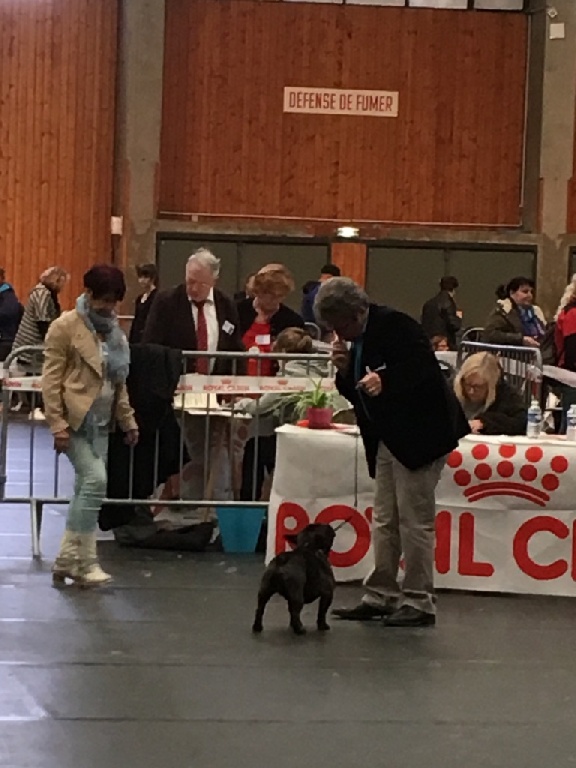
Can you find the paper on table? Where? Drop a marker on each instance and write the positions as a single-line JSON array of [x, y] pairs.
[[197, 401]]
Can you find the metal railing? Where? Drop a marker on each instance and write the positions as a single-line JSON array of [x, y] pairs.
[[522, 366], [207, 413]]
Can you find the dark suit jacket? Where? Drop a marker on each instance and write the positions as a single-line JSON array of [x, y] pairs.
[[417, 415], [439, 318], [141, 312], [171, 324], [284, 318]]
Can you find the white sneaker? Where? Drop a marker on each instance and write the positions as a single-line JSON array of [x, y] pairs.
[[16, 407], [37, 415]]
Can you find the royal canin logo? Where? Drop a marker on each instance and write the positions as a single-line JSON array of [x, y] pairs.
[[533, 480]]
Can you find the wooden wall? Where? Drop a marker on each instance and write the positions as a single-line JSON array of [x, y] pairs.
[[57, 97], [454, 154]]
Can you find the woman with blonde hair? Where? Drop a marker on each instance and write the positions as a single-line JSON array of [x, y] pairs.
[[490, 404]]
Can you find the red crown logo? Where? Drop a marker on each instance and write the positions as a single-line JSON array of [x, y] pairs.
[[535, 480]]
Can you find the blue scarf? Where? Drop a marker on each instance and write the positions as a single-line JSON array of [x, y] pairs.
[[118, 363], [531, 325]]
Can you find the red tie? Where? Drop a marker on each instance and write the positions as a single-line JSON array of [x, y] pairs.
[[202, 365]]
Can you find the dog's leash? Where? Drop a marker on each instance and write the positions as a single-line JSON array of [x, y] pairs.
[[342, 524], [356, 472]]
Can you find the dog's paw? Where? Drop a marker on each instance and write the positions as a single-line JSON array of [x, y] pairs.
[[323, 626], [257, 628], [299, 630]]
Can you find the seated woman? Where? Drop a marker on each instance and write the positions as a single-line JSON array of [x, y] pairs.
[[515, 320], [440, 343], [491, 405], [276, 408]]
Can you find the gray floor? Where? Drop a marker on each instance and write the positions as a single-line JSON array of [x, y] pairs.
[[161, 670]]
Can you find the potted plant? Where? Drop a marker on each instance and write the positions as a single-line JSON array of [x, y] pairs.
[[316, 405]]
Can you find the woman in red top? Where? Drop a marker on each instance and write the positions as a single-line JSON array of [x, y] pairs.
[[265, 316], [565, 338]]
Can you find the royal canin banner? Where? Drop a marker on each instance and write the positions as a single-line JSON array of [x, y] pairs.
[[505, 513], [200, 384]]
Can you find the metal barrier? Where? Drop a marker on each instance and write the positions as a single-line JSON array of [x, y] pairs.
[[472, 334], [521, 365], [206, 407]]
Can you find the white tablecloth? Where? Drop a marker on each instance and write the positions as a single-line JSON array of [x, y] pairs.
[[505, 511]]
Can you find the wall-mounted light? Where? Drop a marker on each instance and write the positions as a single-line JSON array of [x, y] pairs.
[[347, 231]]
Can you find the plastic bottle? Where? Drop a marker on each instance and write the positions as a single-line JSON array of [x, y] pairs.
[[571, 424], [534, 424]]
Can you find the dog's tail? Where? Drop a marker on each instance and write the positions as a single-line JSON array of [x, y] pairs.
[[343, 523]]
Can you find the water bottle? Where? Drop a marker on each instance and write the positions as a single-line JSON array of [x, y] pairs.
[[534, 424], [571, 424]]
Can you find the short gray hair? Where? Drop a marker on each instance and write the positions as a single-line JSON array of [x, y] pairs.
[[205, 258], [340, 299]]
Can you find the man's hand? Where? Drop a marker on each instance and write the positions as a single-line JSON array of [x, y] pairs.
[[528, 341], [476, 426], [131, 437], [61, 441], [459, 313], [371, 384], [340, 355]]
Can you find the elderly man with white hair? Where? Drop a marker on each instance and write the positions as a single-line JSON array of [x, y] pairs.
[[409, 420], [196, 316]]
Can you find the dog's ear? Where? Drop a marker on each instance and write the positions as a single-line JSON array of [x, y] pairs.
[[291, 538]]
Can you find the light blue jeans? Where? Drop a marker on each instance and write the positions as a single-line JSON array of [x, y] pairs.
[[88, 454]]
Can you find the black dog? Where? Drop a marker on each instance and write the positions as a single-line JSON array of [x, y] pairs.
[[301, 576]]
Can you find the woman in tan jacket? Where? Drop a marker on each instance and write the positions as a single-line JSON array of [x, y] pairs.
[[84, 388]]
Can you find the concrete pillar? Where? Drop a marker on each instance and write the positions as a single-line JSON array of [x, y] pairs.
[[139, 119], [557, 153]]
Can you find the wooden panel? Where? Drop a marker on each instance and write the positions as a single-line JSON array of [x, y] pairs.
[[57, 105], [351, 258], [454, 154]]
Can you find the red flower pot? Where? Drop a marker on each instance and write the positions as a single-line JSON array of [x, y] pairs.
[[319, 418]]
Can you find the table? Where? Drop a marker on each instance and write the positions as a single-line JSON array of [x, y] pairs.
[[505, 509]]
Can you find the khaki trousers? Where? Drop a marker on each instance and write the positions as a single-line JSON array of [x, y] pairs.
[[403, 524]]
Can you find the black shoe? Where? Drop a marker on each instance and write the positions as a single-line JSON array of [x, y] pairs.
[[364, 612], [408, 616]]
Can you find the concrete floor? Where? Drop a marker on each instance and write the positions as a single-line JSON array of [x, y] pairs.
[[161, 670]]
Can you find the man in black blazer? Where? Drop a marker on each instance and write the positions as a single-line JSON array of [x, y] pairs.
[[409, 420], [197, 316]]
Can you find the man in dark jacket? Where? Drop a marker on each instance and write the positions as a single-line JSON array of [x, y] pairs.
[[196, 316], [440, 316], [11, 312], [311, 289], [409, 420]]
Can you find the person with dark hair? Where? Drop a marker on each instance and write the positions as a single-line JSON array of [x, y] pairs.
[[11, 312], [310, 290], [148, 281], [86, 364], [440, 315], [515, 320]]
